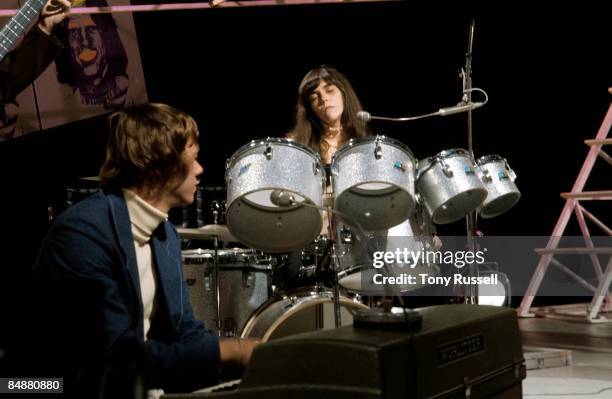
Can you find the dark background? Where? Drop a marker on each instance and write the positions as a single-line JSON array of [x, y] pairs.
[[545, 67]]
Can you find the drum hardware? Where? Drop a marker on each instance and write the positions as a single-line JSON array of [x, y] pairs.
[[217, 291], [335, 267], [346, 236], [218, 209], [314, 257]]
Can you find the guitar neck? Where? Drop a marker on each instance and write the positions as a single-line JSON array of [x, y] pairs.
[[18, 24]]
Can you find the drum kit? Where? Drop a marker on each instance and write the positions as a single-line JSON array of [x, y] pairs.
[[276, 193]]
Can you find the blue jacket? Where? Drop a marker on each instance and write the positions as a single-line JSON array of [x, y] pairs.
[[92, 244]]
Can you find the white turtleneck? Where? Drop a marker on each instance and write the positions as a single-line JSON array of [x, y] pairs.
[[144, 219]]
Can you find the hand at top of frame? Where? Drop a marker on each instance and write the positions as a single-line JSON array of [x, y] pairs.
[[52, 14]]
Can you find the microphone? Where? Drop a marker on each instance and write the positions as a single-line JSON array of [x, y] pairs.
[[282, 198], [461, 107], [364, 116]]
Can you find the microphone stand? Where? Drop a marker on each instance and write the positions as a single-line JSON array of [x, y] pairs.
[[466, 75]]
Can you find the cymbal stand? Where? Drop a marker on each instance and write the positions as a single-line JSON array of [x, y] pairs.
[[216, 208]]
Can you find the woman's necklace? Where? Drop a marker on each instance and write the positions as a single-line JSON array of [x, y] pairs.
[[332, 136], [330, 142]]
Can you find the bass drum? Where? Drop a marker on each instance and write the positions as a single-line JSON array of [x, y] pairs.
[[296, 312]]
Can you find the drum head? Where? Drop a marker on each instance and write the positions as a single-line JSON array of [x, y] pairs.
[[373, 179], [376, 205], [274, 189], [500, 205], [458, 206], [272, 228]]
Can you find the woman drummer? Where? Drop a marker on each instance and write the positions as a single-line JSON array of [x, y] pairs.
[[326, 112], [326, 116], [325, 119]]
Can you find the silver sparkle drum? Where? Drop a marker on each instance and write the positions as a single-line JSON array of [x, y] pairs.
[[356, 257], [298, 311], [270, 184], [499, 179], [449, 185], [373, 179], [244, 281]]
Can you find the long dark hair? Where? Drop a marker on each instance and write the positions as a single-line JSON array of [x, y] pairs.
[[308, 128]]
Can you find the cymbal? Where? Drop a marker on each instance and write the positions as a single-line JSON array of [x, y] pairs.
[[90, 178], [207, 232]]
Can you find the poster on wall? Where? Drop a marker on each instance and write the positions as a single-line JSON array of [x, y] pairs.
[[20, 116], [98, 71]]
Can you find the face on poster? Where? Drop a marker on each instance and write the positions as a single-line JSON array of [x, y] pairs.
[[99, 69]]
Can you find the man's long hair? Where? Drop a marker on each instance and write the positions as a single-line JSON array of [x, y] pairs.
[[145, 147]]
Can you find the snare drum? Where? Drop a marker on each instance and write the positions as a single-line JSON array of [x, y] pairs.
[[298, 311], [244, 282], [373, 179], [499, 179], [449, 185], [258, 176]]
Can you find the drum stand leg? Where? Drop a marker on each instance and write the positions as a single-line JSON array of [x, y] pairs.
[[335, 264], [217, 294], [472, 289]]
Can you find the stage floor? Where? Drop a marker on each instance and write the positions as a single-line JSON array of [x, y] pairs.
[[589, 374]]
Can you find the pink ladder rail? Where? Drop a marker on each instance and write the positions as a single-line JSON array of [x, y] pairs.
[[195, 6], [570, 205]]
